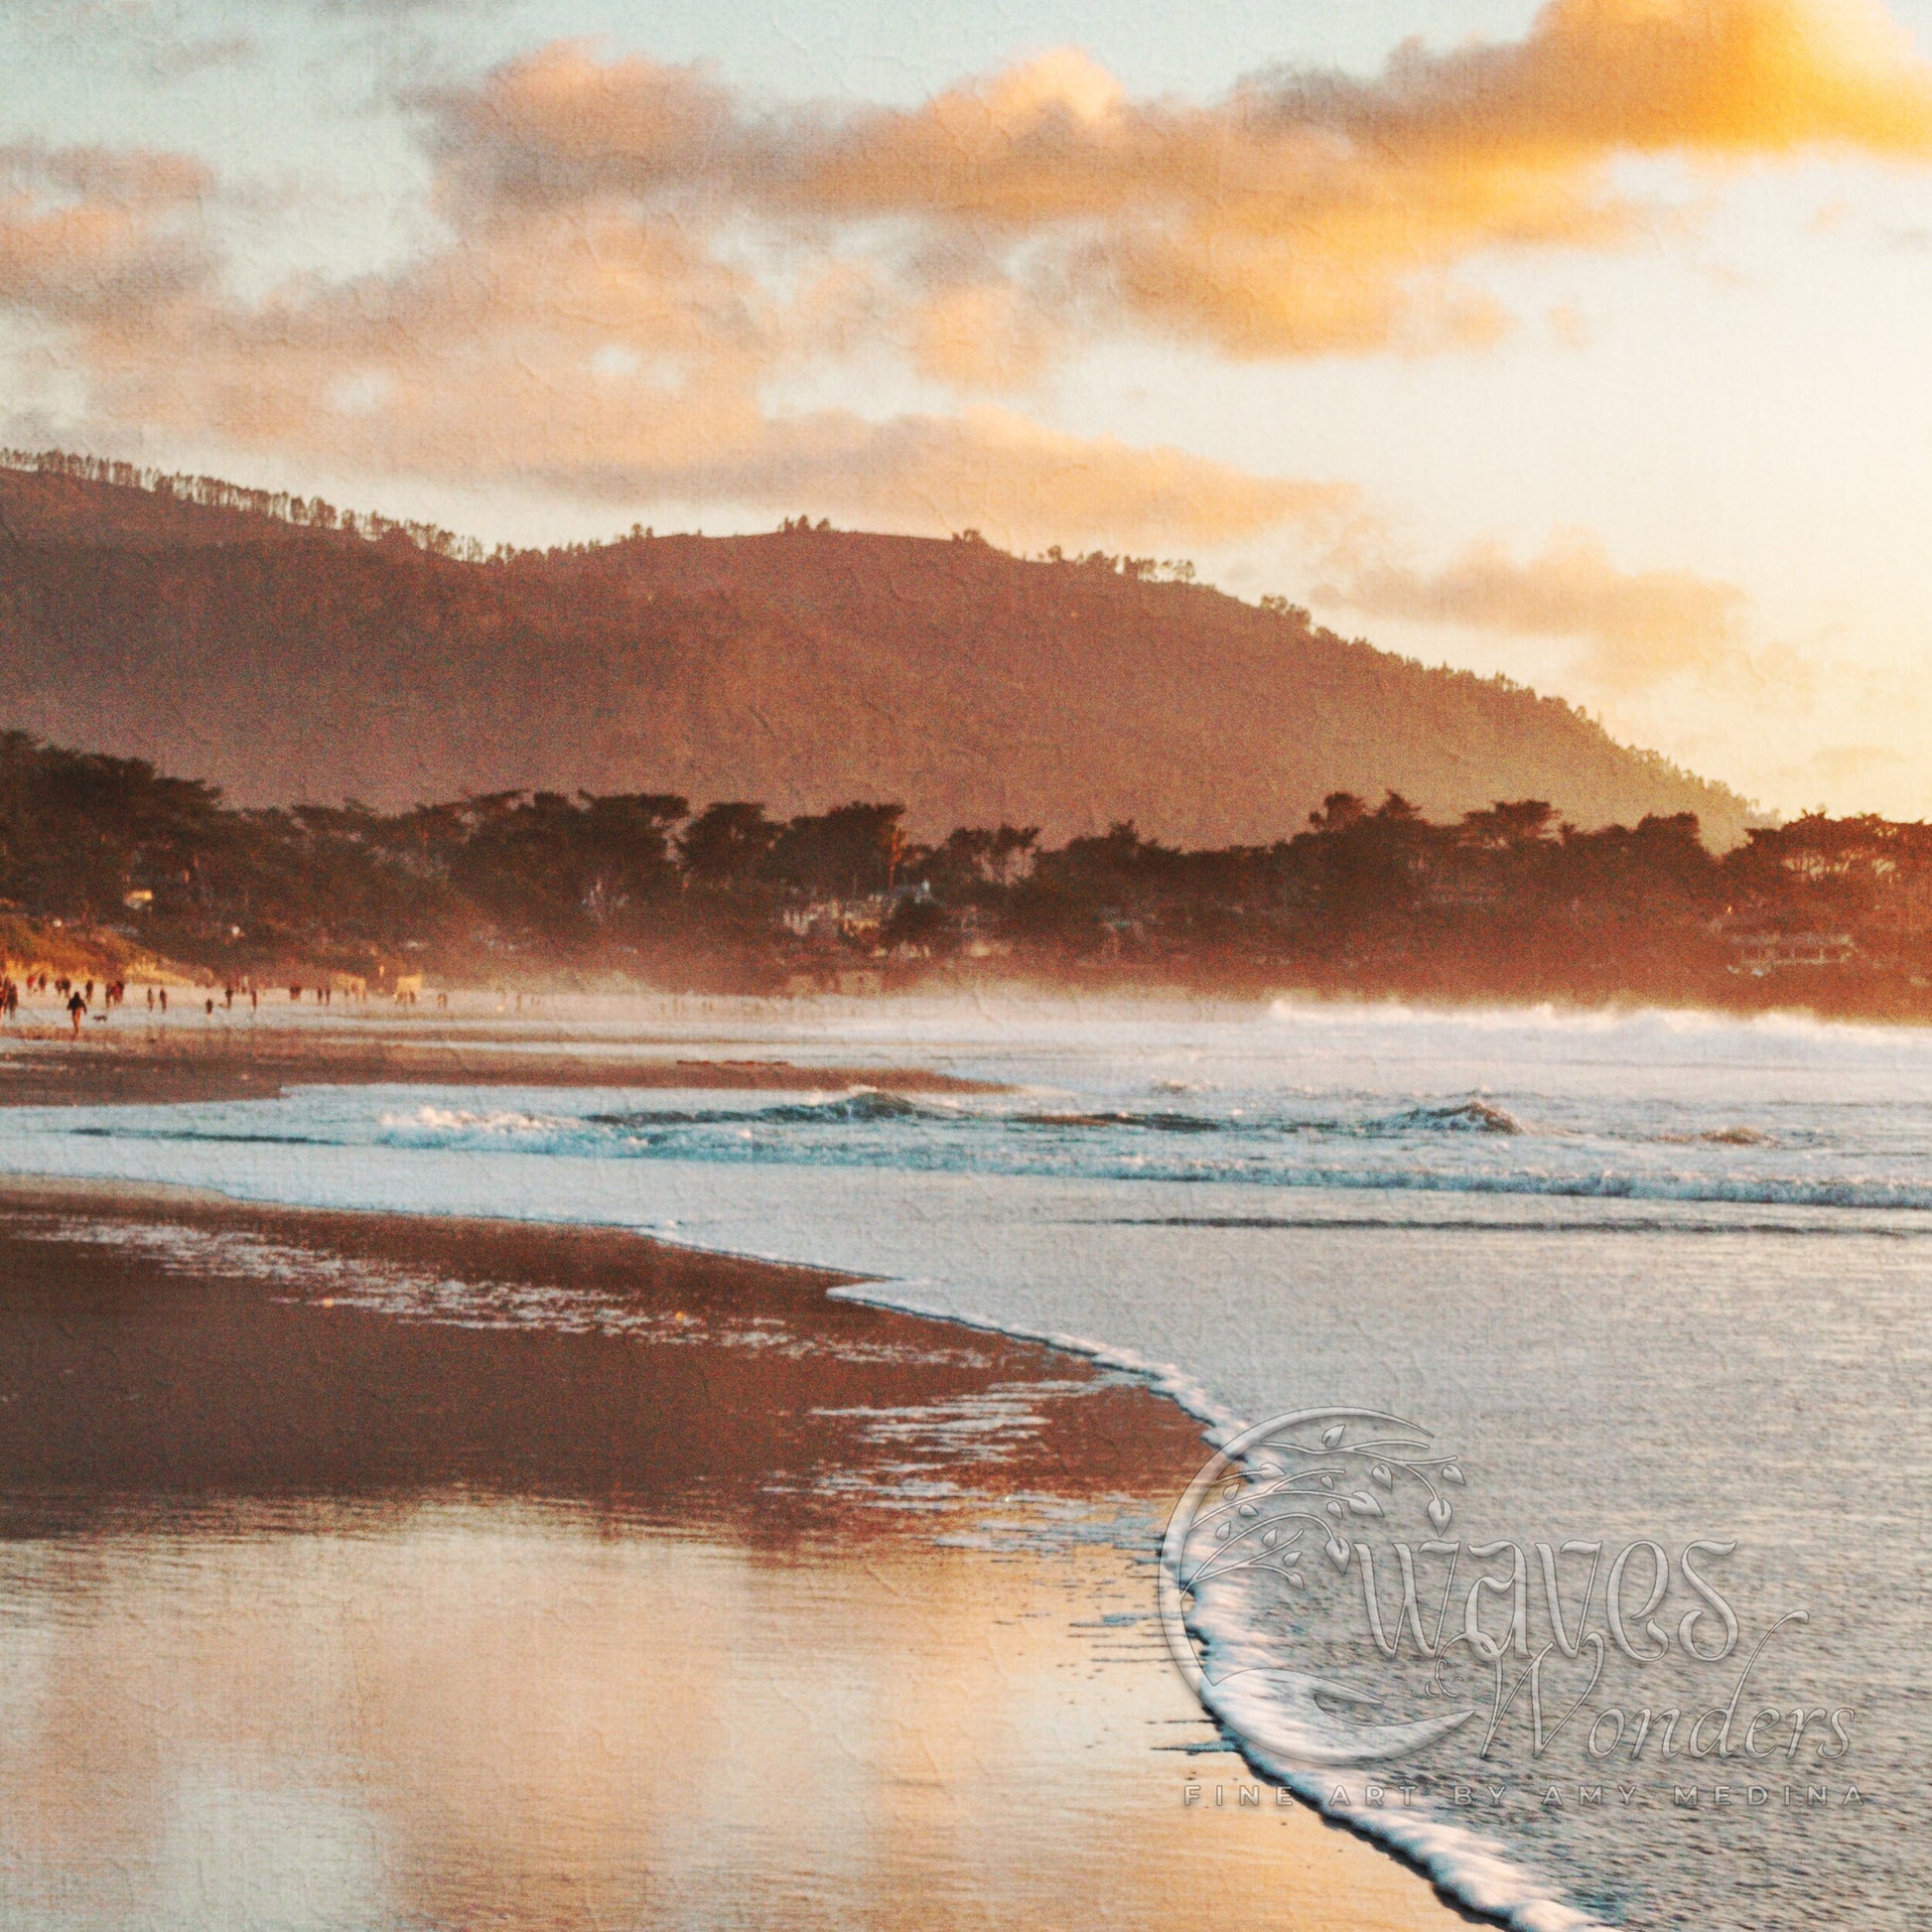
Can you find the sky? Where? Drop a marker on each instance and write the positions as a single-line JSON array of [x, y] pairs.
[[1580, 342]]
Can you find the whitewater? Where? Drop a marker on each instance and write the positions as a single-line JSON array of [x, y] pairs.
[[1652, 1277]]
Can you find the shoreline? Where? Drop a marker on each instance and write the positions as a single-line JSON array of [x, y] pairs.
[[260, 1062], [791, 1414], [201, 1073], [1822, 1004]]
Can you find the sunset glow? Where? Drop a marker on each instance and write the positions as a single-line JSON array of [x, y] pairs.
[[1580, 344]]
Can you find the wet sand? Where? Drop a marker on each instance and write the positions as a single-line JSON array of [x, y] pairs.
[[132, 1061], [372, 1570]]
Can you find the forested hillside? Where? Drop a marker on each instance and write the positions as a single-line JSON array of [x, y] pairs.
[[290, 653]]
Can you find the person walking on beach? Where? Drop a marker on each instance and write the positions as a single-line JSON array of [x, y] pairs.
[[77, 1006]]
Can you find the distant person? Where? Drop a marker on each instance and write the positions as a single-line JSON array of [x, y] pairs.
[[77, 1006], [164, 999], [295, 995], [209, 1009], [227, 998], [254, 999], [150, 999], [91, 992]]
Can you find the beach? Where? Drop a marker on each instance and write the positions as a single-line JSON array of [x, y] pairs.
[[247, 1057], [671, 1591], [1651, 1283]]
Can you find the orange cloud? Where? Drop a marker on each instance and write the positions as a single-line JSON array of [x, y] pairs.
[[89, 236], [635, 261], [1016, 481], [1301, 213], [683, 424], [1639, 627], [612, 352]]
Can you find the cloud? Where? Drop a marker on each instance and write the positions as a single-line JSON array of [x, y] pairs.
[[1006, 475], [1301, 213], [620, 353], [1844, 768], [630, 264], [655, 396], [99, 237], [1638, 628]]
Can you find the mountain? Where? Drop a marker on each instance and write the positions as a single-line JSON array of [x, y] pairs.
[[290, 653]]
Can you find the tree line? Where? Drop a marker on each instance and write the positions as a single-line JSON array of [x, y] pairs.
[[1507, 902]]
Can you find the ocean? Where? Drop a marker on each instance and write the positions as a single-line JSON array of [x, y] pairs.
[[1651, 1285]]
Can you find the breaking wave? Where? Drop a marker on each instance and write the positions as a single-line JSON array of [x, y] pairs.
[[1471, 1116], [862, 1107]]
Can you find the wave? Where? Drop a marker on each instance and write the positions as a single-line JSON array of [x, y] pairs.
[[1471, 1116], [1713, 1190], [467, 1120], [860, 1107], [1100, 1145], [1679, 1027], [1465, 1224], [199, 1135], [1477, 1873]]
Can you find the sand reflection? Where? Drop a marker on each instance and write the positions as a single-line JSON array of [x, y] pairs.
[[468, 1713], [317, 1616]]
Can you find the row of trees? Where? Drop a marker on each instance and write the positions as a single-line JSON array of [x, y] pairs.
[[276, 505], [316, 513], [1504, 900]]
